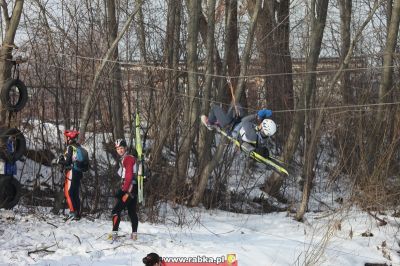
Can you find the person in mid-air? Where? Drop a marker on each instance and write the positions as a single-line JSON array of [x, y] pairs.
[[252, 130]]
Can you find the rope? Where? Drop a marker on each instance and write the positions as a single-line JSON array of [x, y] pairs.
[[225, 76], [146, 88], [228, 79]]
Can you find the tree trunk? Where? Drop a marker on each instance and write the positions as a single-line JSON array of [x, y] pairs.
[[191, 110], [233, 61], [273, 184], [387, 69], [273, 43], [93, 93], [205, 137], [347, 135], [311, 148], [170, 108], [116, 101], [206, 172], [384, 128], [317, 31], [8, 45], [224, 95], [345, 7]]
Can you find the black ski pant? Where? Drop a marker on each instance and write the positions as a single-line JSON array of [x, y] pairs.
[[130, 205], [71, 190], [217, 114]]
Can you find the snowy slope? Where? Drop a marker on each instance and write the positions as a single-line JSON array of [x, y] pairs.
[[33, 237]]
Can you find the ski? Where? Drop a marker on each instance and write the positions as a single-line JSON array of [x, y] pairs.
[[125, 238], [272, 163], [139, 151], [115, 238]]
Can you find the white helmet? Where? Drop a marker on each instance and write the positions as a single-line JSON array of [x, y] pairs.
[[120, 143], [268, 127]]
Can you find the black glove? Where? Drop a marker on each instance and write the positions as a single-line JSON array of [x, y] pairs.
[[263, 151], [60, 159], [119, 194]]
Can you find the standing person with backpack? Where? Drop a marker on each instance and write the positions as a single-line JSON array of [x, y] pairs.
[[127, 195], [74, 161]]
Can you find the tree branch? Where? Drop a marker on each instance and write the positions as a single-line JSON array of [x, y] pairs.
[[93, 94], [5, 12]]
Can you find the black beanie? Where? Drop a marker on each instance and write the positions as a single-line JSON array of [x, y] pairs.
[[151, 259]]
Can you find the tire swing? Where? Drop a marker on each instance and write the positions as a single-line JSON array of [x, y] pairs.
[[14, 95], [15, 144], [10, 191]]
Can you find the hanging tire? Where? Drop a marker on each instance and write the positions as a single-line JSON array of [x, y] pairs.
[[14, 95], [18, 143], [10, 192]]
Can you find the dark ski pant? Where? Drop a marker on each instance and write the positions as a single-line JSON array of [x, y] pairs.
[[130, 205], [218, 115], [71, 190]]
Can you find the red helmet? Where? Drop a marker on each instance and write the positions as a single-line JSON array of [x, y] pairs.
[[71, 134]]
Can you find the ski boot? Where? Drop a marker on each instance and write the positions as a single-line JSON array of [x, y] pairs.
[[113, 236]]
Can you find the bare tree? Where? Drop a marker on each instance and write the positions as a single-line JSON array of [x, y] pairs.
[[205, 138], [199, 192], [169, 108], [387, 69], [191, 108], [316, 130], [346, 144], [317, 15], [6, 49], [116, 88], [93, 93]]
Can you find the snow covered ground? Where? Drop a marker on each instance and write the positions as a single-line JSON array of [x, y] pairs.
[[36, 237], [346, 236]]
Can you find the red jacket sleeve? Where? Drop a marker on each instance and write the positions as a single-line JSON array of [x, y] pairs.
[[128, 164]]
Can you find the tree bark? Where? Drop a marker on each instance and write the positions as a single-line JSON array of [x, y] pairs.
[[116, 101], [317, 20], [8, 45], [169, 111], [233, 61], [273, 42], [387, 69], [347, 139], [205, 137], [191, 110], [345, 7]]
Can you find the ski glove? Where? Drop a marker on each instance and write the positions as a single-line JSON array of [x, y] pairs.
[[264, 113], [125, 197], [60, 159]]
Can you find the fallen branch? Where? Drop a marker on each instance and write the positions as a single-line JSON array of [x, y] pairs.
[[114, 248], [80, 243], [381, 221], [45, 249], [52, 224], [101, 236], [55, 239]]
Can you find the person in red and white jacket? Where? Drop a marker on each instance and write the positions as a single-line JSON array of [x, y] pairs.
[[127, 194]]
